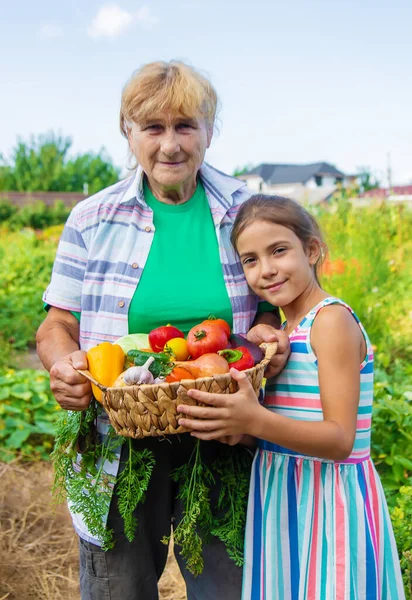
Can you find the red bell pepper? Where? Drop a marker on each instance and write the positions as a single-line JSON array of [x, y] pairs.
[[239, 358]]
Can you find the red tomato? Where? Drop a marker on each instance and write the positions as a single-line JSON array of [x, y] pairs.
[[218, 323], [205, 338], [159, 337]]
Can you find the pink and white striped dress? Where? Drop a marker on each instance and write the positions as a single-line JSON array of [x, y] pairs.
[[318, 529]]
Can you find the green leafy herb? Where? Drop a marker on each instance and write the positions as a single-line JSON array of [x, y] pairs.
[[234, 472], [161, 366], [89, 490], [132, 484], [195, 480]]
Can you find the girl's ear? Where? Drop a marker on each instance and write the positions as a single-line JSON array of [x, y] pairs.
[[314, 250]]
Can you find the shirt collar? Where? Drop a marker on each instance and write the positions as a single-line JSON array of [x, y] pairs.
[[219, 187]]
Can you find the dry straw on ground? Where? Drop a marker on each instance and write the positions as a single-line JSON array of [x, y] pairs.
[[38, 548]]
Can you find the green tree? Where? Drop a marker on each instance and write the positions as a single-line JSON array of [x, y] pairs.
[[242, 170], [42, 164], [367, 181], [95, 171]]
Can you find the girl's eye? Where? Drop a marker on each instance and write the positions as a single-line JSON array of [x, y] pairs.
[[279, 250], [153, 127], [248, 261]]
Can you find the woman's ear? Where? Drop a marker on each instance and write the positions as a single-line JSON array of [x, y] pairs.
[[209, 135]]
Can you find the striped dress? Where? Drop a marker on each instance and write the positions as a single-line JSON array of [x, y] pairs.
[[318, 529]]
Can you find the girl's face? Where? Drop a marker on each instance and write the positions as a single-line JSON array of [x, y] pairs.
[[276, 266]]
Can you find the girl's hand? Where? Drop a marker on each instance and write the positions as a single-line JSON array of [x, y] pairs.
[[266, 333], [225, 415]]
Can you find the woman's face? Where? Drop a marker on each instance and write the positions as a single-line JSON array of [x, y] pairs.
[[276, 266], [170, 148]]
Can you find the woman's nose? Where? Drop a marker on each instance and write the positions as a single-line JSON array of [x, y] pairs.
[[170, 144]]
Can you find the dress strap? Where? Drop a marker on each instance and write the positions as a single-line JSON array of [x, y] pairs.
[[310, 317]]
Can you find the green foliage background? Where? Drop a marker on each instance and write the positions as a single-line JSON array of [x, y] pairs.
[[369, 265], [42, 163]]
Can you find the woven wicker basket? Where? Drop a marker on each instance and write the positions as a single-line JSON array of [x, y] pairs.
[[140, 411]]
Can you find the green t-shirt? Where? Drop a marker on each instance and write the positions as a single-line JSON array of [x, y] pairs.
[[182, 281]]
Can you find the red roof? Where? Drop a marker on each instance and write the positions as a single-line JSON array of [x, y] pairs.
[[396, 190]]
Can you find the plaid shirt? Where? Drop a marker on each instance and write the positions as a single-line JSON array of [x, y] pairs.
[[101, 256]]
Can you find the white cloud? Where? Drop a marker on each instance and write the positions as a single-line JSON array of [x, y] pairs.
[[111, 21], [50, 31]]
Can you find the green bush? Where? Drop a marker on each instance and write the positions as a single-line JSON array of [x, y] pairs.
[[392, 427], [38, 216], [402, 525], [25, 268], [27, 415], [370, 267], [7, 210]]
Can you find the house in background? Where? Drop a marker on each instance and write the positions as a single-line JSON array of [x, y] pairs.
[[308, 184]]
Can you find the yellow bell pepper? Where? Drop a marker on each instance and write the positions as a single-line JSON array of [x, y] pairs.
[[106, 362]]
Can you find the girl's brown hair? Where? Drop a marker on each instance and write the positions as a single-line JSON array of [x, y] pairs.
[[281, 211]]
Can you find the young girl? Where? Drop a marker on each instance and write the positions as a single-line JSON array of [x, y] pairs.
[[318, 527]]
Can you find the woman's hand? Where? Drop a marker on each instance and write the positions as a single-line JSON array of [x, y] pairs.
[[226, 414], [266, 333], [71, 390], [58, 348]]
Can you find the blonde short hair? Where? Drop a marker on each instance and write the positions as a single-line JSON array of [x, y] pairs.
[[172, 86]]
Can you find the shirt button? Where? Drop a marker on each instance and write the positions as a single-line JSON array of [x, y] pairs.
[[135, 265], [148, 229], [120, 304]]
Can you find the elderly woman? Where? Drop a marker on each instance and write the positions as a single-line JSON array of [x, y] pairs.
[[150, 250]]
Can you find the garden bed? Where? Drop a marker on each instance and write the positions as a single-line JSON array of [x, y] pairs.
[[38, 547]]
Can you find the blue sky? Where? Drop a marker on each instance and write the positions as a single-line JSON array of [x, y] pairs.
[[299, 81]]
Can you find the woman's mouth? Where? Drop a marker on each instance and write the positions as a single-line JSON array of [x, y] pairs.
[[172, 164]]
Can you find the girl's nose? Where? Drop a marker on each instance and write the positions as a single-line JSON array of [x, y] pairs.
[[170, 143], [268, 268]]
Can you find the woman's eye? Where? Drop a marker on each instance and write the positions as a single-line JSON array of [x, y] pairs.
[[185, 126]]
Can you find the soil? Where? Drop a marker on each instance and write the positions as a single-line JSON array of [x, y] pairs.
[[38, 547]]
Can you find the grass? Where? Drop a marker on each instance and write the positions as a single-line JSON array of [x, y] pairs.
[[39, 547]]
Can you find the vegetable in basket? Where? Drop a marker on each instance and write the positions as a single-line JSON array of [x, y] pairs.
[[206, 365], [177, 348], [239, 358], [159, 337], [133, 341], [211, 320], [205, 338], [160, 367], [178, 374], [239, 340], [139, 375], [106, 362]]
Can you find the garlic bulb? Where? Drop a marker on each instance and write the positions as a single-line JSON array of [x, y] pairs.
[[139, 375]]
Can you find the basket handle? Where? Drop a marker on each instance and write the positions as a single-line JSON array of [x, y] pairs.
[[270, 349], [90, 377]]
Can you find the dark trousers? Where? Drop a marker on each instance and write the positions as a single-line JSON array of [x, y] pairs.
[[131, 570]]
